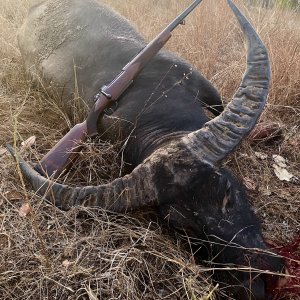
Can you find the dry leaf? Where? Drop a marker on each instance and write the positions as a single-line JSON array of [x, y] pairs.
[[265, 132], [249, 183], [66, 263], [29, 142], [2, 151], [245, 155], [13, 195], [261, 155], [294, 141], [279, 160], [24, 210], [280, 168], [282, 173]]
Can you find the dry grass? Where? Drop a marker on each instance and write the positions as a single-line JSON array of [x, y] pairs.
[[84, 253]]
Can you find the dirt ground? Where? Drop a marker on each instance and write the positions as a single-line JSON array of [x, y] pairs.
[[93, 254]]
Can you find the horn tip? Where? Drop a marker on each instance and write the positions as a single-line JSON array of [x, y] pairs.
[[230, 2]]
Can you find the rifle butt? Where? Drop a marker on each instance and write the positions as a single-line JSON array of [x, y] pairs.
[[64, 153]]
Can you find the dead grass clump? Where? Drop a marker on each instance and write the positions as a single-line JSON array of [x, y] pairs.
[[271, 197], [87, 254], [99, 162]]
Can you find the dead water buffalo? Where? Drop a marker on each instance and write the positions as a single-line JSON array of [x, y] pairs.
[[173, 148]]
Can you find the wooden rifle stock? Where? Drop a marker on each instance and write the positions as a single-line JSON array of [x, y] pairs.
[[62, 155]]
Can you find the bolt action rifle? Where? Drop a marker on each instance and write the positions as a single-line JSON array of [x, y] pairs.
[[61, 156]]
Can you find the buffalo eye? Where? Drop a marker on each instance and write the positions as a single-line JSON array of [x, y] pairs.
[[228, 189], [227, 196]]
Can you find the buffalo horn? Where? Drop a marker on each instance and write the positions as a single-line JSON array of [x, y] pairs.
[[218, 137], [122, 194]]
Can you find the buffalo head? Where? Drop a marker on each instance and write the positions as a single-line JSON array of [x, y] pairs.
[[221, 226]]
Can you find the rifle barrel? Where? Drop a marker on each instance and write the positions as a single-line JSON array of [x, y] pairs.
[[178, 20]]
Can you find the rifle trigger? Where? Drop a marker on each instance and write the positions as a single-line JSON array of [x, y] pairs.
[[111, 108]]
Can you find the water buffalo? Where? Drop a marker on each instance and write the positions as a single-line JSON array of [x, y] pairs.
[[174, 149]]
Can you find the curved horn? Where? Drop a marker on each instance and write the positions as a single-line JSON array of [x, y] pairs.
[[123, 194], [218, 137]]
